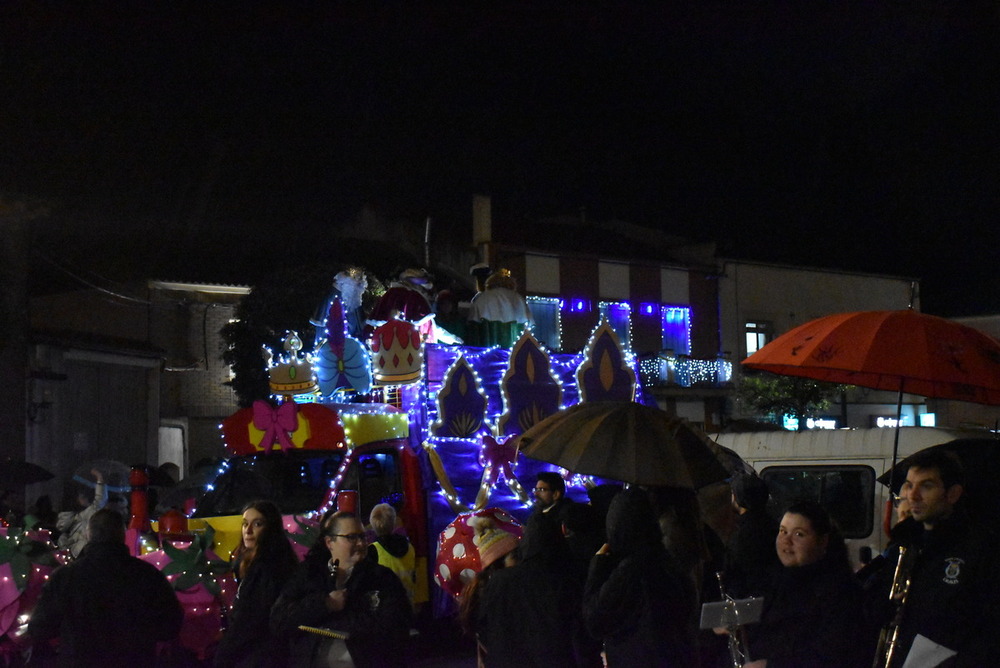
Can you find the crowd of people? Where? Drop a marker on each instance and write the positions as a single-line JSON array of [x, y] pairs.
[[639, 603], [604, 583]]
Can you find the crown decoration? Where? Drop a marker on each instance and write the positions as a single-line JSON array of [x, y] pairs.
[[291, 374], [397, 357]]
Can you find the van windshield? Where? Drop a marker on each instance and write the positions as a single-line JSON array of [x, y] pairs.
[[296, 481], [847, 492]]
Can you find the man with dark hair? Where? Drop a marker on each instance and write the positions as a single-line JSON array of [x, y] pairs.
[[950, 603], [550, 495], [107, 608]]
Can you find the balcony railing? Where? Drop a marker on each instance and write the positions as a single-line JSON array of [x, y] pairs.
[[668, 369]]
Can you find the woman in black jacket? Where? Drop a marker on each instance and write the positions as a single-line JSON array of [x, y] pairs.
[[263, 563], [337, 589], [813, 608]]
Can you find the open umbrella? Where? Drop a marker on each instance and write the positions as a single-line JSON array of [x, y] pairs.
[[18, 473], [980, 458], [627, 441], [901, 351]]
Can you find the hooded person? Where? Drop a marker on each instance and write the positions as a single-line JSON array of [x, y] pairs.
[[637, 598], [750, 554], [542, 593]]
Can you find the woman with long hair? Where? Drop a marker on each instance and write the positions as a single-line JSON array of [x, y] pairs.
[[263, 563]]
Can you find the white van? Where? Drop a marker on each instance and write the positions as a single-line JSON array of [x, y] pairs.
[[839, 469]]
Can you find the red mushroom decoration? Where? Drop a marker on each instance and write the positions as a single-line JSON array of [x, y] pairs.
[[471, 543]]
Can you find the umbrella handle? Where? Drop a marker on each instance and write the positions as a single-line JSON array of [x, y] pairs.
[[887, 515]]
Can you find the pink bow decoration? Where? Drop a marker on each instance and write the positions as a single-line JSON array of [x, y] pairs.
[[276, 423], [499, 456]]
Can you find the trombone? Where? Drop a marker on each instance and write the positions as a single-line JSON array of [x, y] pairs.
[[738, 653], [889, 637]]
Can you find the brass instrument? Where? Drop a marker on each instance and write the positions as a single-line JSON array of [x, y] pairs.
[[889, 637], [738, 654]]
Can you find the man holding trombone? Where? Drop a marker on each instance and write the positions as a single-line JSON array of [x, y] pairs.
[[942, 599]]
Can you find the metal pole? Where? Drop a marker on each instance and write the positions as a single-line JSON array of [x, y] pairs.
[[895, 440]]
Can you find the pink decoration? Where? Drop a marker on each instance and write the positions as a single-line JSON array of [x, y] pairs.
[[499, 457], [202, 626], [276, 423], [14, 603]]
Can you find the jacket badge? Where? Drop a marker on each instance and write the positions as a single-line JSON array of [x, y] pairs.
[[373, 600], [952, 569]]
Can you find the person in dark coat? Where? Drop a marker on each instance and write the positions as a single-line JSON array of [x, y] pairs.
[[750, 553], [813, 608], [263, 563], [530, 612], [637, 598], [953, 586], [550, 496], [107, 608], [337, 588]]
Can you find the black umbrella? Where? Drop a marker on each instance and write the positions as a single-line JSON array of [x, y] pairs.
[[980, 458], [17, 473]]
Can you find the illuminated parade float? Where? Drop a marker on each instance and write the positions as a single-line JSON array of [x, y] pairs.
[[389, 414]]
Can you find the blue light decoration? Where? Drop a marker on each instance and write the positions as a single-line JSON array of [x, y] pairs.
[[547, 312], [523, 385], [619, 317], [675, 324], [606, 374], [461, 404], [531, 392], [648, 309], [578, 305]]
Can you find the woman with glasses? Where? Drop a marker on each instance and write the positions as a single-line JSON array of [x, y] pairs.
[[263, 563], [340, 595]]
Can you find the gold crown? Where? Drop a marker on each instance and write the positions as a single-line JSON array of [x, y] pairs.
[[397, 357], [291, 374]]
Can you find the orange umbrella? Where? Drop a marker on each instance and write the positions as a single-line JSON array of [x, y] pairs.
[[902, 351]]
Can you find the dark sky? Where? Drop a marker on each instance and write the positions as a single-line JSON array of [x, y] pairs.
[[854, 135]]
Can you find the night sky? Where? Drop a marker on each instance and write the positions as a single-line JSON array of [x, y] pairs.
[[854, 135]]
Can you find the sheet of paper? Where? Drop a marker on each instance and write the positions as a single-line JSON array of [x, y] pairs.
[[925, 653]]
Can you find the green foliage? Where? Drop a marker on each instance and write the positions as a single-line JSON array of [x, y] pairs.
[[284, 301], [771, 394], [21, 551], [308, 532], [193, 565]]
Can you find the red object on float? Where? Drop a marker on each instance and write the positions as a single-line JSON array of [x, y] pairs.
[[172, 522], [325, 432], [139, 499], [347, 501]]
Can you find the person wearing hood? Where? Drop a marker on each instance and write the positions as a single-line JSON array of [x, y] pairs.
[[530, 612], [637, 598], [750, 553], [393, 550]]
